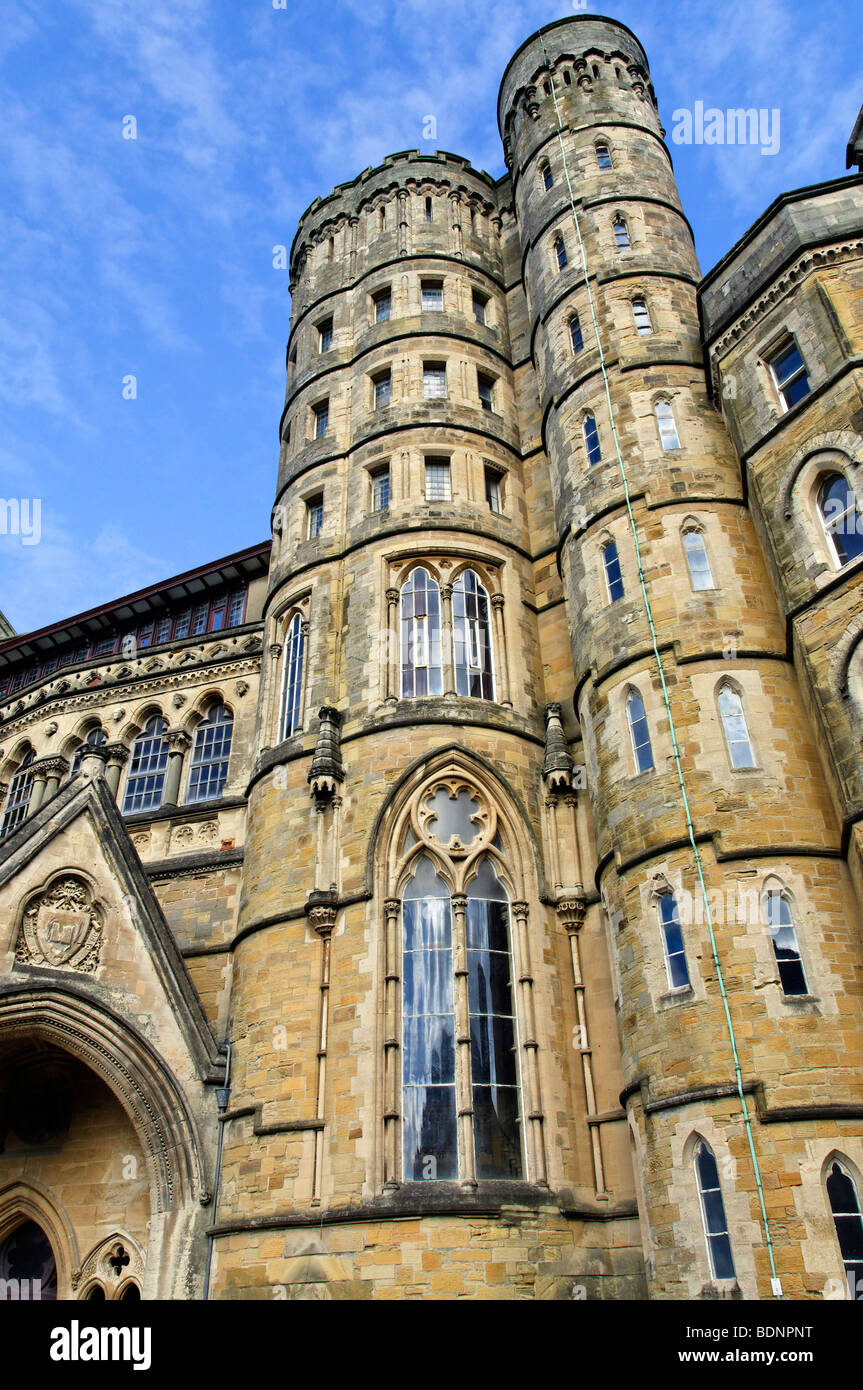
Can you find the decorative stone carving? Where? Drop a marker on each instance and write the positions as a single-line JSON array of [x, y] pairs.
[[50, 730], [141, 840], [241, 688], [570, 911], [112, 1263], [326, 771], [62, 926], [208, 831], [557, 765], [183, 835], [179, 700]]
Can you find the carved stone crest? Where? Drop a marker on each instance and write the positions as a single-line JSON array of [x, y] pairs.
[[62, 926]]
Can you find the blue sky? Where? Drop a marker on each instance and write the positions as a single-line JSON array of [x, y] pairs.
[[153, 257]]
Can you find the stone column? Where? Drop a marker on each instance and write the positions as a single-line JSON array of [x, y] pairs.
[[392, 1046], [93, 760], [447, 640], [531, 1097], [502, 654], [271, 697], [463, 1095], [570, 911], [37, 794], [392, 657], [455, 230], [118, 756], [178, 741], [403, 228]]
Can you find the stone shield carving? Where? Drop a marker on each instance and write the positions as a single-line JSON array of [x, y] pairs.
[[62, 926]]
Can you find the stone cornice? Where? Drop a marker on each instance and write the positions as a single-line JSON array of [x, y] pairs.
[[135, 689], [816, 258]]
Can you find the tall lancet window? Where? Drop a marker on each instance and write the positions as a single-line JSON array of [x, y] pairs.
[[295, 647], [713, 1214], [736, 731], [461, 1094], [147, 767], [420, 636], [848, 1220], [20, 790], [428, 1029], [472, 637]]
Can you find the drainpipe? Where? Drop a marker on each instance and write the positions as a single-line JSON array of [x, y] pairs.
[[223, 1096]]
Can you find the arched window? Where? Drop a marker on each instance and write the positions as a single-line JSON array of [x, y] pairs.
[[666, 426], [713, 1214], [840, 518], [621, 233], [603, 157], [560, 251], [848, 1220], [96, 1294], [430, 933], [18, 800], [292, 691], [96, 738], [734, 724], [777, 911], [591, 440], [696, 558], [27, 1258], [208, 771], [130, 1294], [546, 175], [613, 576], [672, 941], [472, 638], [575, 335], [641, 316], [149, 760], [420, 636], [639, 732]]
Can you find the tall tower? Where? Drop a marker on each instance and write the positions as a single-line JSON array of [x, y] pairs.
[[707, 836]]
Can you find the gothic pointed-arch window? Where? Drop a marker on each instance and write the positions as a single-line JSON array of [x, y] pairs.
[[639, 732], [713, 1213], [96, 738], [842, 522], [591, 440], [697, 559], [613, 575], [546, 175], [621, 234], [20, 791], [575, 334], [734, 725], [211, 751], [668, 436], [672, 942], [27, 1264], [603, 157], [457, 965], [848, 1220], [560, 252], [472, 638], [147, 766], [292, 690], [777, 912], [420, 636]]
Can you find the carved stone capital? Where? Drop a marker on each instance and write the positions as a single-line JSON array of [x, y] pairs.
[[177, 740], [497, 601], [392, 596], [118, 754], [570, 910]]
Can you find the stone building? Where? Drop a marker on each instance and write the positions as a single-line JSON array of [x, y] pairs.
[[461, 895]]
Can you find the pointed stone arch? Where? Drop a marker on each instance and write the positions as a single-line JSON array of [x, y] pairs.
[[138, 1078], [22, 1201]]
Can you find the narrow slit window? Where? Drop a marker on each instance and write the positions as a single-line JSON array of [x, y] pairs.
[[666, 425], [575, 334], [786, 948], [546, 175], [485, 387], [603, 157], [621, 234], [697, 560], [381, 490], [322, 419], [428, 210], [641, 315], [613, 575], [639, 733], [591, 440], [560, 252], [736, 731], [315, 516], [848, 1221], [672, 941], [480, 306], [713, 1214]]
